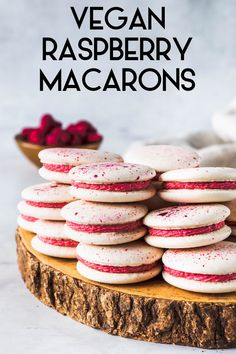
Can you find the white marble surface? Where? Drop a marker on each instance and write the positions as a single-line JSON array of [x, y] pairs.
[[27, 326]]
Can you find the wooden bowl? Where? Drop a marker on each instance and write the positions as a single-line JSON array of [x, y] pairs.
[[31, 151]]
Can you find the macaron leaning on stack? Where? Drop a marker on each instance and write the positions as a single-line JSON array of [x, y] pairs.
[[57, 162], [187, 226]]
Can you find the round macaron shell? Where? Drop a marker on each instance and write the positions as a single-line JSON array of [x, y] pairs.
[[83, 212], [112, 173], [115, 278], [73, 156], [197, 195], [47, 193], [187, 216], [200, 174], [52, 250], [59, 177], [131, 254], [200, 286], [112, 197], [25, 224], [52, 229], [105, 238], [163, 157], [216, 259], [189, 241], [39, 212]]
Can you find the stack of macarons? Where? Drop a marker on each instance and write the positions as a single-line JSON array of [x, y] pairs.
[[40, 210], [194, 224], [107, 221]]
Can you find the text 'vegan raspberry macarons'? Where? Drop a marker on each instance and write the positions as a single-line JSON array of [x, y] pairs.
[[187, 226], [104, 224], [57, 162], [51, 240], [112, 182], [121, 264], [209, 269], [45, 200], [199, 185]]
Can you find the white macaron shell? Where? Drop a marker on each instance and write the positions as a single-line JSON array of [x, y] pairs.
[[200, 286], [73, 156], [117, 278], [200, 174], [214, 259], [40, 212], [26, 224], [47, 193], [130, 254], [104, 238], [87, 213], [111, 173], [51, 229], [185, 217], [112, 197], [189, 241], [197, 195], [52, 250], [163, 157], [60, 177]]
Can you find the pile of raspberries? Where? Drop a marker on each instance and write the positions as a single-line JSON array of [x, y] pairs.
[[50, 132]]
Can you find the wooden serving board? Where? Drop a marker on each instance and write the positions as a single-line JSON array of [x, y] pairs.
[[150, 311]]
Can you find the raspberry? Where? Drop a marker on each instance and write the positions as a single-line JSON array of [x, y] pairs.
[[25, 132], [52, 139], [36, 137], [93, 138], [47, 123], [64, 138], [76, 139]]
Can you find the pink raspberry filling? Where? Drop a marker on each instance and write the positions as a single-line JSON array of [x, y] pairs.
[[186, 232], [114, 269], [114, 187], [105, 228], [201, 277], [58, 168], [28, 218], [58, 241], [45, 205], [199, 185]]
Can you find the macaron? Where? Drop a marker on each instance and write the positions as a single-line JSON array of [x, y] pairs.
[[112, 182], [102, 223], [44, 201], [199, 185], [57, 162], [163, 157], [121, 264], [26, 222], [231, 219], [187, 226], [50, 239], [209, 269]]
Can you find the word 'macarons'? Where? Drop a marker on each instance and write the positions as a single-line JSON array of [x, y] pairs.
[[115, 48]]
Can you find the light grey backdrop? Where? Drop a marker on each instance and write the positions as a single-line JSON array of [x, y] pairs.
[[30, 327]]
